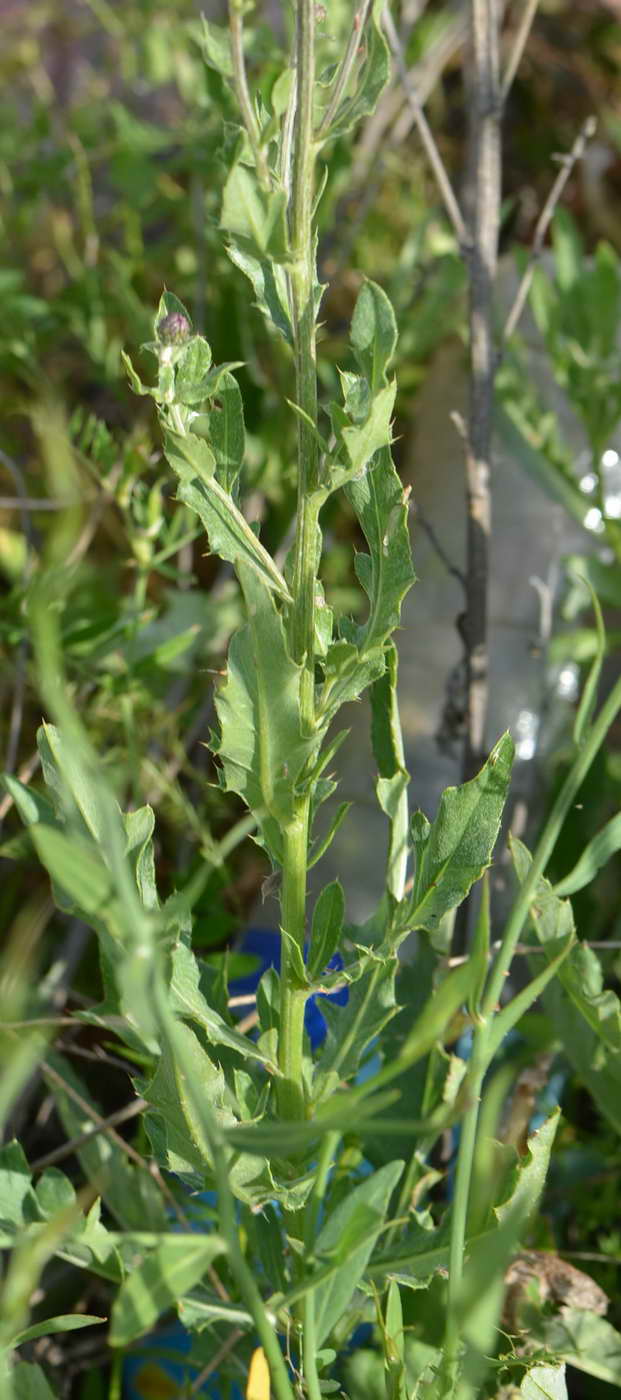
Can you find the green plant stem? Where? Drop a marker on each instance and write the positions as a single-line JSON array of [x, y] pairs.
[[459, 1220], [301, 283], [482, 1038], [302, 616], [291, 1096], [309, 1348]]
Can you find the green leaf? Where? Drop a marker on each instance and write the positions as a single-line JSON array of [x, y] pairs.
[[83, 882], [394, 1345], [32, 806], [512, 1013], [544, 1382], [261, 745], [18, 1203], [351, 1028], [320, 846], [73, 776], [270, 286], [392, 783], [259, 218], [201, 1309], [585, 1016], [188, 1000], [430, 1027], [327, 927], [129, 1192], [177, 1131], [157, 1282], [182, 1147], [588, 699], [135, 383], [479, 952], [69, 1322], [29, 1382], [192, 365], [139, 826], [226, 431], [347, 672], [587, 1341], [568, 251], [386, 573], [371, 81], [597, 853], [605, 579], [363, 440], [170, 305], [216, 47], [229, 533], [349, 1234], [461, 840], [481, 1293], [373, 334]]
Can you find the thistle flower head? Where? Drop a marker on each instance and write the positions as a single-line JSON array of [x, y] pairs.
[[173, 329]]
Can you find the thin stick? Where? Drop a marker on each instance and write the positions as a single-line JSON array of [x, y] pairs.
[[104, 1126], [519, 44], [437, 545], [121, 1116], [216, 1361], [345, 70], [424, 130], [35, 503], [543, 223], [485, 134], [242, 91]]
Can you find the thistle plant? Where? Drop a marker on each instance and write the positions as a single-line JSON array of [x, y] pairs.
[[312, 1224]]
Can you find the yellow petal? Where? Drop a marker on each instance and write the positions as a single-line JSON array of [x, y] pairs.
[[258, 1387]]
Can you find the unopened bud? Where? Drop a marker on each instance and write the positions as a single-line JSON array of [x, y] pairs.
[[173, 329], [321, 13]]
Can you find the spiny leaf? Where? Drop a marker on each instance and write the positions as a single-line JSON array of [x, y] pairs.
[[373, 334], [229, 533], [187, 999], [347, 672], [460, 842], [226, 432], [371, 82], [386, 573], [270, 286]]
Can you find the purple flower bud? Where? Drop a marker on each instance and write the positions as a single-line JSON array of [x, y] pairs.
[[173, 329]]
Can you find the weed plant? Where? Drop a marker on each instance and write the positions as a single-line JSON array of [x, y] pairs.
[[291, 1190]]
